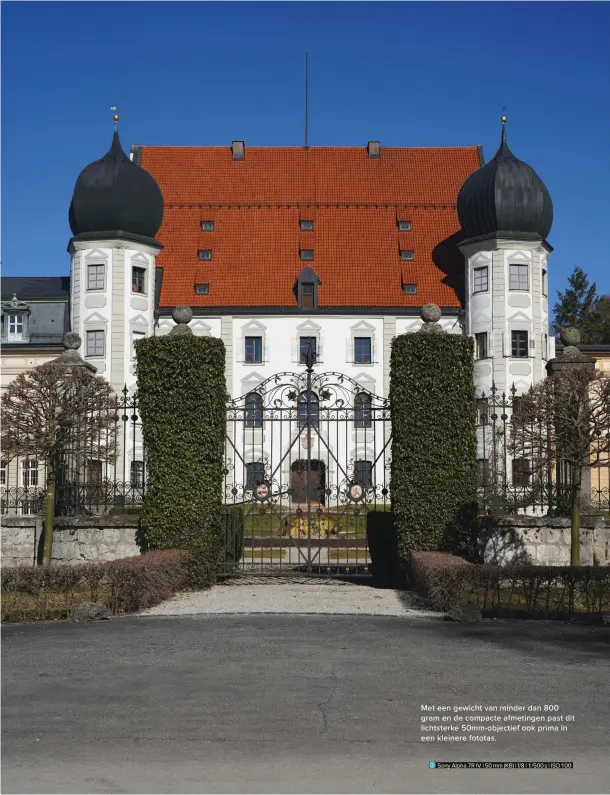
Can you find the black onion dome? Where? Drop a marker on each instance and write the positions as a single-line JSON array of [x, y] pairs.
[[506, 199], [114, 195]]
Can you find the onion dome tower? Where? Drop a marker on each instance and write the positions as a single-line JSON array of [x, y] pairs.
[[506, 213], [115, 214], [115, 198]]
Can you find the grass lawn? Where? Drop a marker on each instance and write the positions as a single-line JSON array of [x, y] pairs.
[[266, 521]]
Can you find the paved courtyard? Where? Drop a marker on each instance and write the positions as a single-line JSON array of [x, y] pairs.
[[291, 703]]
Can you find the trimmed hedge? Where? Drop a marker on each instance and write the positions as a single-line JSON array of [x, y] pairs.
[[182, 400], [545, 592], [434, 468], [124, 586]]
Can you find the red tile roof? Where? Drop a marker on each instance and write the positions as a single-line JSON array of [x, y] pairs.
[[353, 200]]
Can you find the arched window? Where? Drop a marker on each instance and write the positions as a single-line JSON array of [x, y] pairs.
[[363, 474], [254, 410], [362, 410], [255, 474], [308, 407]]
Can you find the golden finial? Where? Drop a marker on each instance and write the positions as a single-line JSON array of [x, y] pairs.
[[503, 119], [115, 118]]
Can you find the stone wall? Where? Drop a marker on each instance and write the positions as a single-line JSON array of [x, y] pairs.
[[543, 541], [79, 539]]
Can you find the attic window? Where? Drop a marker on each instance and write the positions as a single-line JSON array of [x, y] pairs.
[[306, 226], [404, 226], [207, 226], [202, 289], [407, 254], [410, 289], [373, 148], [306, 253], [205, 253]]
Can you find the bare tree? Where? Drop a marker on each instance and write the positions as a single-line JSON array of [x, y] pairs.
[[565, 420], [56, 410]]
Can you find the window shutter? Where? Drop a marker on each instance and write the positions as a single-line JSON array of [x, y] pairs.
[[505, 344], [320, 349], [349, 350], [294, 351], [372, 348]]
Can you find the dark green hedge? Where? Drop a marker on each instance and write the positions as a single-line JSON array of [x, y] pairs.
[[434, 469], [182, 401]]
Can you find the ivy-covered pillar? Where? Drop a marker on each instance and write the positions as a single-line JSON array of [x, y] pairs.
[[434, 468], [182, 402]]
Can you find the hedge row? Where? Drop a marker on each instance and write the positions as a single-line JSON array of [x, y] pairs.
[[182, 400], [434, 468], [124, 586], [519, 591]]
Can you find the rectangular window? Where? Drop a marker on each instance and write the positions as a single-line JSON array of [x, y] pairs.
[[480, 344], [363, 473], [95, 277], [306, 253], [138, 280], [480, 280], [545, 287], [137, 474], [306, 226], [29, 472], [95, 343], [202, 289], [254, 350], [518, 340], [517, 277], [137, 335], [404, 226], [94, 471], [255, 474], [407, 254], [3, 473], [362, 350], [205, 254], [306, 343], [307, 295], [410, 289], [483, 472], [521, 472], [207, 226], [482, 411], [15, 328]]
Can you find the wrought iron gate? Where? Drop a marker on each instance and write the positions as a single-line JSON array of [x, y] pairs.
[[307, 460]]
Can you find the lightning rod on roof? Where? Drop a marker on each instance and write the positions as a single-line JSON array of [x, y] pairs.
[[306, 98]]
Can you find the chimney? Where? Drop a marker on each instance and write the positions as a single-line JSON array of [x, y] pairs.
[[373, 148], [237, 148]]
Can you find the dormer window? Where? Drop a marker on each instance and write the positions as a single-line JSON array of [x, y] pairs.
[[407, 254], [205, 254], [15, 328], [15, 319], [410, 289], [306, 253], [202, 289], [404, 226], [307, 295], [207, 226], [306, 226]]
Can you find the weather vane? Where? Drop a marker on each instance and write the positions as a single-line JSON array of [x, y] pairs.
[[115, 118]]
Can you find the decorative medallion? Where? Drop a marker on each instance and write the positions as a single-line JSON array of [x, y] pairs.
[[262, 491], [356, 492]]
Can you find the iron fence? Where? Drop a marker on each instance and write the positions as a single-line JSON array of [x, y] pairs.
[[87, 482], [526, 483]]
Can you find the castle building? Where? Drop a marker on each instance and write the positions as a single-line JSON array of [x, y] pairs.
[[279, 248]]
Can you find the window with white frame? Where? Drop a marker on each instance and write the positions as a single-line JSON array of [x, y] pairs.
[[480, 281], [255, 474], [138, 279], [480, 343], [363, 350], [15, 325], [518, 279], [29, 472], [306, 344], [136, 478], [3, 473], [253, 349], [545, 286], [363, 473], [95, 343], [96, 273]]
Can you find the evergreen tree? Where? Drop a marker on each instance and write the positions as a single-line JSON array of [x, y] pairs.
[[577, 307], [601, 331]]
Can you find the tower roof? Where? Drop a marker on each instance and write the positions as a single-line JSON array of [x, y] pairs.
[[113, 197], [505, 199]]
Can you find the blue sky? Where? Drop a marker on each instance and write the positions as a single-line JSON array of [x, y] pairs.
[[408, 74]]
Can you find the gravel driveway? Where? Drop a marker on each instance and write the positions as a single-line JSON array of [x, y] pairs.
[[306, 597]]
